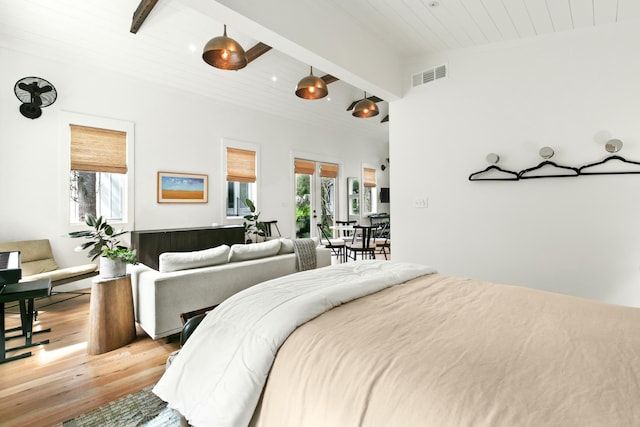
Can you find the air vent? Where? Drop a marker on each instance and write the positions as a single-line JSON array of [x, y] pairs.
[[429, 75]]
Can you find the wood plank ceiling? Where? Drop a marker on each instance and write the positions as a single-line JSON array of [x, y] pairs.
[[166, 49]]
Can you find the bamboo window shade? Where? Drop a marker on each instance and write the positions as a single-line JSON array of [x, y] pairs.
[[98, 150], [328, 170], [241, 165], [369, 177], [305, 167]]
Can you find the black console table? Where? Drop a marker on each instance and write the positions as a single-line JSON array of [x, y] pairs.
[[149, 244], [25, 294]]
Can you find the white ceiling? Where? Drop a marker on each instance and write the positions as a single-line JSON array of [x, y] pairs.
[[167, 48]]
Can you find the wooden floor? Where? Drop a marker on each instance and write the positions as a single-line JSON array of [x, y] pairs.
[[60, 381]]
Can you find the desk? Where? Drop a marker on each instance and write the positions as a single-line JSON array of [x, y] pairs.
[[22, 292]]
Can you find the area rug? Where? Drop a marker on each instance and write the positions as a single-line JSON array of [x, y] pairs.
[[143, 409]]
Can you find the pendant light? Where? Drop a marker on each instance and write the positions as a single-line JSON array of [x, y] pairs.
[[311, 87], [365, 108], [225, 53]]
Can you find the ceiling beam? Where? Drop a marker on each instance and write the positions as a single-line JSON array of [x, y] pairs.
[[141, 13], [257, 51], [328, 79], [370, 98]]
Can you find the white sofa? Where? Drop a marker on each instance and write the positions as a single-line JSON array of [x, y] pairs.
[[191, 281]]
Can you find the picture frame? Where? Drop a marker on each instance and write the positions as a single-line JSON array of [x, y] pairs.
[[177, 187]]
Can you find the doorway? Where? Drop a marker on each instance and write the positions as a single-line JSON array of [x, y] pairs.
[[315, 197]]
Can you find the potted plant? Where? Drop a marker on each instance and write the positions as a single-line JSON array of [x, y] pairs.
[[253, 227], [103, 242]]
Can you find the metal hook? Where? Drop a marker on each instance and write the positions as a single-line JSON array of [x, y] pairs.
[[493, 158], [546, 152], [613, 145]]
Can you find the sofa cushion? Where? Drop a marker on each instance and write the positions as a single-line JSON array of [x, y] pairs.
[[286, 246], [175, 261], [254, 250]]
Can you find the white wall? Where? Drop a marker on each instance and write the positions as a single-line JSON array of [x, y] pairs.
[[174, 131], [571, 91]]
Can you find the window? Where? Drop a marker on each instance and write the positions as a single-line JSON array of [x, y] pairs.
[[241, 180], [100, 176], [369, 192]]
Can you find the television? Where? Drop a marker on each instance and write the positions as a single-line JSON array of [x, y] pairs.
[[384, 195]]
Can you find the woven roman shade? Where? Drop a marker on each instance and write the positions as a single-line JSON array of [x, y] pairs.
[[98, 150], [369, 177], [328, 170], [305, 167], [241, 165]]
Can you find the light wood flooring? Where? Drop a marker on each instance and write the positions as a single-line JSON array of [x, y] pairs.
[[60, 381]]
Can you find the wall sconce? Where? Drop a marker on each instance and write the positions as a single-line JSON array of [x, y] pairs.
[[311, 87], [225, 53], [365, 108]]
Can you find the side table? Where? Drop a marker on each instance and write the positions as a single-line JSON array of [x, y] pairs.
[[111, 319]]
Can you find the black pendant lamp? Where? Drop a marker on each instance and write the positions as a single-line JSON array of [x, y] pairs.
[[365, 108], [311, 87], [225, 53]]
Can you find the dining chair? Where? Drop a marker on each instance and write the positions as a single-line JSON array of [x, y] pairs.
[[346, 233], [383, 240], [362, 242], [268, 230], [337, 246]]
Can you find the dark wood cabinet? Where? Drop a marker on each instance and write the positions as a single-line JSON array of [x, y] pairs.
[[149, 244]]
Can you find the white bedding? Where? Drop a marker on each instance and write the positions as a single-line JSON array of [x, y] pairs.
[[218, 376]]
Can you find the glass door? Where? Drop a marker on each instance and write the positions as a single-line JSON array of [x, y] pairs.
[[315, 198]]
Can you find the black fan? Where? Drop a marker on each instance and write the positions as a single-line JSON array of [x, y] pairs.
[[34, 93]]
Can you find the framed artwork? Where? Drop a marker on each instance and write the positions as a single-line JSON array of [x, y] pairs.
[[182, 188]]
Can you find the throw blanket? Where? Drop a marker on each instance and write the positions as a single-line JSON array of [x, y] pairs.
[[305, 250], [217, 378]]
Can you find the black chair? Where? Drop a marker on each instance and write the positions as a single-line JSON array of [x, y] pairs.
[[346, 233], [383, 240], [268, 232], [362, 242], [336, 245]]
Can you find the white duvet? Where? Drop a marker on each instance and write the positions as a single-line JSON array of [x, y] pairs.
[[218, 376]]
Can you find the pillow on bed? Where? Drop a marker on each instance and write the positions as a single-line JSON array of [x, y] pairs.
[[175, 261], [249, 251]]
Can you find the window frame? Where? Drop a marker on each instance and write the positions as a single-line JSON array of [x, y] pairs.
[[241, 145], [68, 118]]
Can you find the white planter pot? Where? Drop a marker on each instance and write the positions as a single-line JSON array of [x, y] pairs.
[[110, 268]]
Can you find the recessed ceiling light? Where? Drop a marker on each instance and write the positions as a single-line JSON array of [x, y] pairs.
[[328, 99], [434, 3], [274, 78], [192, 47]]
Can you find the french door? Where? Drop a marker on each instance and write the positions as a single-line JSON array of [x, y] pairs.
[[315, 197]]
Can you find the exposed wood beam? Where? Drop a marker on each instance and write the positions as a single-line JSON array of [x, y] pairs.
[[328, 78], [141, 13], [370, 98], [257, 51]]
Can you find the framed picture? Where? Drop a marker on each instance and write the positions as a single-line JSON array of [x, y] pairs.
[[182, 188]]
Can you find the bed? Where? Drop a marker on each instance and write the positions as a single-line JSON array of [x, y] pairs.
[[383, 343]]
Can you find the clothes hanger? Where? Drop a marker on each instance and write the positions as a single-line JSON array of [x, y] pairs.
[[494, 158], [547, 153], [612, 146]]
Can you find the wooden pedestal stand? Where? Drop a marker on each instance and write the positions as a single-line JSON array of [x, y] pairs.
[[111, 321]]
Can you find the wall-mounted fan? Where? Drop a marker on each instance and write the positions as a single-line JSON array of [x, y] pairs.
[[34, 93]]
